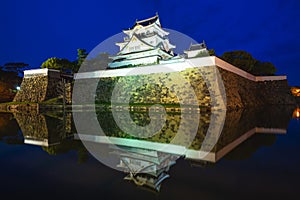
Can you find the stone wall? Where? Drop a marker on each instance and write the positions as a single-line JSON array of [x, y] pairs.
[[216, 83], [42, 86], [214, 87], [68, 92], [242, 93], [33, 89], [154, 88], [160, 88]]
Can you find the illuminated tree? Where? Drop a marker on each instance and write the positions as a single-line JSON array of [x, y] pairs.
[[59, 64]]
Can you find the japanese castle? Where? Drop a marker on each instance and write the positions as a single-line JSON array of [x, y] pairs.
[[147, 43]]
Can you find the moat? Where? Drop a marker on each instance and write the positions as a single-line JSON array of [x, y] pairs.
[[254, 157]]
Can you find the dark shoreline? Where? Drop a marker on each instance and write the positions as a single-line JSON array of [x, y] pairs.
[[15, 107]]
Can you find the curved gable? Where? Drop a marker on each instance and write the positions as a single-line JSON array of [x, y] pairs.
[[135, 45]]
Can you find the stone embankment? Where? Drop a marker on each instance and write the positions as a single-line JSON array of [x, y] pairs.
[[43, 84], [243, 93], [211, 78]]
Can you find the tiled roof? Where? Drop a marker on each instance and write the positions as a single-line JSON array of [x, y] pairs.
[[197, 46]]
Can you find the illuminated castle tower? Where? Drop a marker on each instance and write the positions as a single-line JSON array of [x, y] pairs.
[[146, 43]]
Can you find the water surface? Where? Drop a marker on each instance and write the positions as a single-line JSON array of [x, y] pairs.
[[254, 158]]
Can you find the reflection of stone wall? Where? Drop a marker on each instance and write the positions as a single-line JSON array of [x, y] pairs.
[[38, 127], [166, 134], [32, 125], [238, 122]]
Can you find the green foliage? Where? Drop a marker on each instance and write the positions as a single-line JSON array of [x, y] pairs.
[[246, 62], [203, 54], [95, 63], [64, 64], [81, 56], [52, 150], [99, 62], [59, 64], [211, 52]]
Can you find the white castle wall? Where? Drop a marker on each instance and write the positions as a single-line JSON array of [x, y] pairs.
[[176, 67]]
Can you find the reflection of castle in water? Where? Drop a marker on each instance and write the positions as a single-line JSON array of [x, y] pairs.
[[148, 167], [145, 165]]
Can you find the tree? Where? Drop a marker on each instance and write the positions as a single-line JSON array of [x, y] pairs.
[[241, 59], [17, 67], [211, 52], [59, 64], [9, 75], [81, 56], [99, 62], [246, 62], [264, 69], [9, 80]]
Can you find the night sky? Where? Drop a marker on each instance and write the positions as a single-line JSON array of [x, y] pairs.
[[34, 30]]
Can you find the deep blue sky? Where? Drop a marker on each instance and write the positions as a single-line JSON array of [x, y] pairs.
[[34, 30]]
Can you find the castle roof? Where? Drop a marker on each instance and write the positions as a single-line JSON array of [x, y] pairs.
[[146, 22], [200, 46], [140, 39], [146, 43]]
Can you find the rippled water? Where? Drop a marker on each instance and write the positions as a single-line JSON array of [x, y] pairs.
[[255, 157]]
